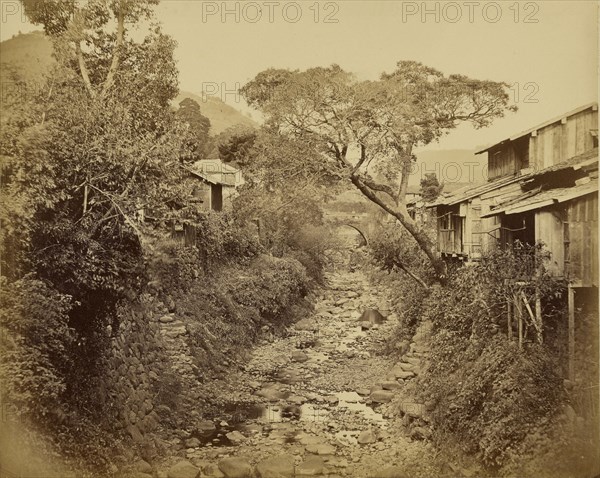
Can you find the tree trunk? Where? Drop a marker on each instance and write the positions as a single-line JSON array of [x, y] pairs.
[[413, 229], [117, 49]]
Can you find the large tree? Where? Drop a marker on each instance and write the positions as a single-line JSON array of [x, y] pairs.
[[363, 126], [84, 155]]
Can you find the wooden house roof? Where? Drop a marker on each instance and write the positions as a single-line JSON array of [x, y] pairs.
[[214, 171], [586, 161], [540, 126], [538, 199]]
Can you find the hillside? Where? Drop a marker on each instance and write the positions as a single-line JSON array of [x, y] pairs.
[[220, 114], [30, 55]]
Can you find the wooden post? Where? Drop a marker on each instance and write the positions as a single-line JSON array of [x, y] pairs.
[[571, 305], [509, 322], [538, 315], [519, 310]]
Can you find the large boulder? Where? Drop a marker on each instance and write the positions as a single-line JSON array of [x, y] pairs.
[[235, 467], [280, 466], [183, 469]]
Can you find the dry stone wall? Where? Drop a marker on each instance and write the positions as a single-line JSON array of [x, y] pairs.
[[136, 364]]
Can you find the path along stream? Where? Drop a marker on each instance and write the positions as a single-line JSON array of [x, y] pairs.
[[315, 403]]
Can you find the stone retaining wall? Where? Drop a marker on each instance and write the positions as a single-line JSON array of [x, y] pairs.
[[135, 364]]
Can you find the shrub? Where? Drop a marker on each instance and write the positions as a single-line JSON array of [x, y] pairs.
[[494, 398], [35, 339], [392, 248], [489, 392]]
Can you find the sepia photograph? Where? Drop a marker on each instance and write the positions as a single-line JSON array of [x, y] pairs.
[[311, 238]]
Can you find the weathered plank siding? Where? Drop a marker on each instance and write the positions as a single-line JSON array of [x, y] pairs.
[[581, 243], [549, 230], [450, 230], [564, 139]]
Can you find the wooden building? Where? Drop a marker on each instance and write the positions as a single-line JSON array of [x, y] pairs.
[[553, 154], [213, 188], [217, 183], [542, 188]]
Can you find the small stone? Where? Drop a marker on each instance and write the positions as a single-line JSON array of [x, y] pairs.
[[212, 471], [235, 467], [299, 356], [296, 399], [367, 437], [413, 409], [183, 469], [363, 392], [306, 325], [404, 374], [143, 467], [166, 319], [391, 472], [570, 413], [235, 437], [271, 393], [382, 396], [192, 443], [321, 449], [313, 465], [281, 466], [391, 385], [420, 433], [407, 367], [206, 427]]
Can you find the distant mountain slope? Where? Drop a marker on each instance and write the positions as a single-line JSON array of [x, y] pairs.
[[220, 114], [30, 55]]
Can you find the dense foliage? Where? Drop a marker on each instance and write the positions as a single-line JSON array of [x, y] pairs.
[[489, 396], [35, 338], [430, 187], [286, 187], [363, 126]]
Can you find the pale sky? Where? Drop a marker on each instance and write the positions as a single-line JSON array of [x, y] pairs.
[[547, 49]]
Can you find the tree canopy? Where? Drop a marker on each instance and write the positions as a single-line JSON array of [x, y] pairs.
[[360, 127]]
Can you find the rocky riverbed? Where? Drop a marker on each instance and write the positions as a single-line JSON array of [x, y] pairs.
[[317, 402]]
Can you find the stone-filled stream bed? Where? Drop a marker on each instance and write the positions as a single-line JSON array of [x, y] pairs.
[[312, 403]]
